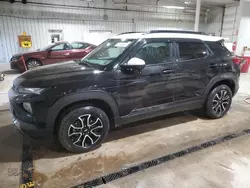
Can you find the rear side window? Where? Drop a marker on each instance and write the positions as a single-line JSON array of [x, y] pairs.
[[191, 51], [219, 49], [79, 45]]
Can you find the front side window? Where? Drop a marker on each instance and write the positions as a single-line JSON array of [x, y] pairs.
[[63, 46], [191, 51], [108, 51], [155, 53], [47, 47]]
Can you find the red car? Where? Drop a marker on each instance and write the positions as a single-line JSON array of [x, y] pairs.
[[54, 53]]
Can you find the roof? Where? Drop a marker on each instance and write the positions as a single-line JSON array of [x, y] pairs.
[[62, 41], [168, 35]]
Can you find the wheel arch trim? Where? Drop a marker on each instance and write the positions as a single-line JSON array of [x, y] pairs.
[[219, 78], [65, 101]]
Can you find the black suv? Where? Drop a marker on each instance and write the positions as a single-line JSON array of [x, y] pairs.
[[127, 78]]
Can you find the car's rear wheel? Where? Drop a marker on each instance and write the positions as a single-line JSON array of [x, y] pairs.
[[33, 63], [83, 129], [218, 102]]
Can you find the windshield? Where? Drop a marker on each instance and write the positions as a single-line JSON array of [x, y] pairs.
[[47, 47], [108, 51]]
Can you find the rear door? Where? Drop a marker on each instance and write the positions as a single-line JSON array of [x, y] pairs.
[[80, 49], [223, 57], [194, 69]]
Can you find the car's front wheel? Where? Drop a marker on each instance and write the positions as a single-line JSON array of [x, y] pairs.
[[218, 102], [83, 129], [33, 63]]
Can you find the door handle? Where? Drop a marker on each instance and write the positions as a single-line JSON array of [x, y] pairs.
[[168, 71], [67, 54], [213, 65]]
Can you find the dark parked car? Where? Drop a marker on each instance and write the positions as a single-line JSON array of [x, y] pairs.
[[127, 78], [53, 53]]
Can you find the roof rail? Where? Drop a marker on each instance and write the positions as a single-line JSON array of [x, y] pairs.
[[130, 33], [177, 31]]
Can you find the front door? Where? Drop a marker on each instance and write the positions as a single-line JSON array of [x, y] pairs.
[[192, 69], [152, 86], [59, 53]]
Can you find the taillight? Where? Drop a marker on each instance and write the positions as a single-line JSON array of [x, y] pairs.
[[236, 60], [240, 61]]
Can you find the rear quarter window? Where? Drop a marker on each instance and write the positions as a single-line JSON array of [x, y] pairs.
[[191, 51], [219, 49]]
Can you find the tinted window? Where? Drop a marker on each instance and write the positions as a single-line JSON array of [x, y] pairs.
[[63, 46], [108, 51], [189, 51], [79, 45], [154, 53], [219, 49]]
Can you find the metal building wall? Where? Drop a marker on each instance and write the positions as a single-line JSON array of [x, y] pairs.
[[229, 23], [78, 19], [214, 20]]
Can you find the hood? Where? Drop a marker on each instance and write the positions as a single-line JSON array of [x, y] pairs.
[[26, 53], [50, 75]]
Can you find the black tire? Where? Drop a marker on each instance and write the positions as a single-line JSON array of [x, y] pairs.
[[218, 102], [33, 63], [80, 120]]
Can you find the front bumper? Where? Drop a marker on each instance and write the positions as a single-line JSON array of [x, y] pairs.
[[17, 64], [23, 121], [30, 129]]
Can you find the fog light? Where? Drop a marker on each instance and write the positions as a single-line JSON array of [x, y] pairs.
[[27, 107]]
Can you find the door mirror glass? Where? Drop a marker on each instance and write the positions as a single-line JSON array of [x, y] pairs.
[[133, 64]]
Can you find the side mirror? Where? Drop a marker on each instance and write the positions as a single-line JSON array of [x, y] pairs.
[[134, 64], [49, 50]]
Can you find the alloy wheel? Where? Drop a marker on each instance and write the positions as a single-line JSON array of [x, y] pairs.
[[33, 64], [85, 131], [221, 102]]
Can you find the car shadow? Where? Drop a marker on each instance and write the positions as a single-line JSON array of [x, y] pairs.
[[12, 140], [10, 72], [10, 144], [46, 150], [148, 125]]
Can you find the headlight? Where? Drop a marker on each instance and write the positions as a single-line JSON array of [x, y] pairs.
[[30, 90], [15, 58]]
